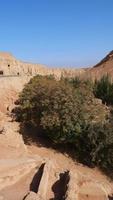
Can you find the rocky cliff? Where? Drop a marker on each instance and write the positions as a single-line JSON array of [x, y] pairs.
[[105, 66], [10, 66]]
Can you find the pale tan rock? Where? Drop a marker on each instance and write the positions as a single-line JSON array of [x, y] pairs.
[[82, 188], [43, 187], [12, 170], [31, 196], [11, 140], [14, 74], [11, 66], [2, 198], [73, 186], [92, 191]]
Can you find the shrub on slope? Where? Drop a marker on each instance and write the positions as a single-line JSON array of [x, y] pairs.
[[68, 113]]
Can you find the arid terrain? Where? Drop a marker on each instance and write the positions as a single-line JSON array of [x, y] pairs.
[[36, 171]]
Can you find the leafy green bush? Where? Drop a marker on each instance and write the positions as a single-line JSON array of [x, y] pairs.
[[52, 105], [95, 146], [103, 89], [69, 113], [57, 108]]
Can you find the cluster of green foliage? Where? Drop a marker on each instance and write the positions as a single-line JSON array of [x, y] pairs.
[[68, 113], [103, 89], [95, 146]]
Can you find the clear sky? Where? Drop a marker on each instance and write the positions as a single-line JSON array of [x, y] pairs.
[[57, 32]]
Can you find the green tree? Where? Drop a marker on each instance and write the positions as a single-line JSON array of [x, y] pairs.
[[95, 146], [69, 114], [58, 108]]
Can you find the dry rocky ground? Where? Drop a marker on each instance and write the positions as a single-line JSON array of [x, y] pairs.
[[35, 171]]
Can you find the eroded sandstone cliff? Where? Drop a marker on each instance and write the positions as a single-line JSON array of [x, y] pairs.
[[9, 65]]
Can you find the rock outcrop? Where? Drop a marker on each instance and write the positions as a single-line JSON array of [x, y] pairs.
[[75, 186], [31, 196], [81, 188], [12, 170], [104, 67], [11, 142], [10, 66]]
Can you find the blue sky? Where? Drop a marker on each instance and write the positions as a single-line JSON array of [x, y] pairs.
[[57, 32]]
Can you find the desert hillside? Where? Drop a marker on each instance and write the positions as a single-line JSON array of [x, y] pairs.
[[105, 66], [38, 172]]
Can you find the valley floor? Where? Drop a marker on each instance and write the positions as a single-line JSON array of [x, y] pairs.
[[37, 169]]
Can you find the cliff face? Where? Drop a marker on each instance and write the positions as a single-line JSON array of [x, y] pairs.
[[105, 66], [10, 66], [107, 58], [14, 74]]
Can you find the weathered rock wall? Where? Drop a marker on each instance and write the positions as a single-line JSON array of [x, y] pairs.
[[9, 66]]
